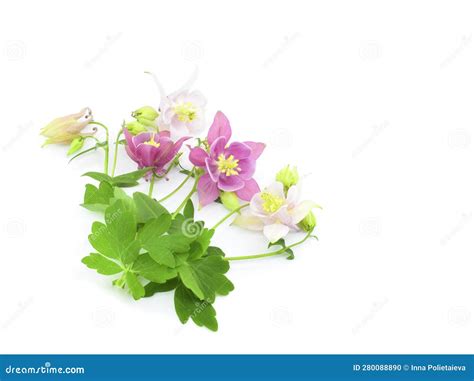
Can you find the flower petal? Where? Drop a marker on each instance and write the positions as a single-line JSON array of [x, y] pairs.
[[207, 190], [301, 210], [257, 149], [218, 147], [293, 195], [220, 127], [249, 221], [248, 191], [147, 154], [275, 231], [238, 150], [246, 168], [212, 169], [276, 189], [230, 183], [197, 156]]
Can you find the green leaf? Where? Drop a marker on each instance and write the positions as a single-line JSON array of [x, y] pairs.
[[119, 194], [189, 210], [200, 245], [204, 277], [164, 248], [147, 208], [177, 224], [188, 306], [129, 179], [97, 199], [101, 264], [149, 269], [99, 176], [213, 250], [152, 288], [136, 288], [280, 242], [154, 228], [116, 239]]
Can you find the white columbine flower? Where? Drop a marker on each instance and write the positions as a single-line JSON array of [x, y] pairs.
[[182, 113], [275, 213]]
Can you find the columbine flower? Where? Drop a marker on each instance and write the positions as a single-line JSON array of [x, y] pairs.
[[228, 167], [67, 128], [151, 149], [274, 212], [182, 113]]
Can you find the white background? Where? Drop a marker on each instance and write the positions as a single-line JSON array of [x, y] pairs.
[[371, 99]]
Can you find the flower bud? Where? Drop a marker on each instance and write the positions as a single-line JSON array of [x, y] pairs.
[[308, 223], [288, 176], [145, 112], [67, 128], [135, 127], [230, 200], [76, 145]]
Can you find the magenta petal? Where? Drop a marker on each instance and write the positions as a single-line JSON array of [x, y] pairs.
[[246, 168], [130, 144], [165, 152], [257, 149], [164, 134], [248, 191], [230, 183], [238, 150], [218, 147], [197, 156], [212, 169], [142, 138], [147, 154], [207, 190], [220, 127]]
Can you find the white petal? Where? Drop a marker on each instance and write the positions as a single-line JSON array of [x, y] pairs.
[[248, 221], [301, 210], [256, 205], [275, 232], [276, 189], [294, 194]]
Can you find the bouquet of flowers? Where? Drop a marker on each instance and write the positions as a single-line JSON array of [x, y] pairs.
[[148, 249]]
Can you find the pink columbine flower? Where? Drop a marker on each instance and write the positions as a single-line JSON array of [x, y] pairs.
[[228, 167], [151, 149]]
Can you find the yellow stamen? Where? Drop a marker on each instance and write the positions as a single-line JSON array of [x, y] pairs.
[[228, 165], [271, 203], [186, 112], [152, 141]]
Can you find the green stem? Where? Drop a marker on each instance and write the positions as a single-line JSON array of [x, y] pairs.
[[181, 206], [178, 188], [229, 215], [114, 164], [152, 184], [106, 147], [271, 254]]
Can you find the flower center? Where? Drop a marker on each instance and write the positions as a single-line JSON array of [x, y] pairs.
[[271, 203], [186, 112], [228, 165], [152, 142]]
